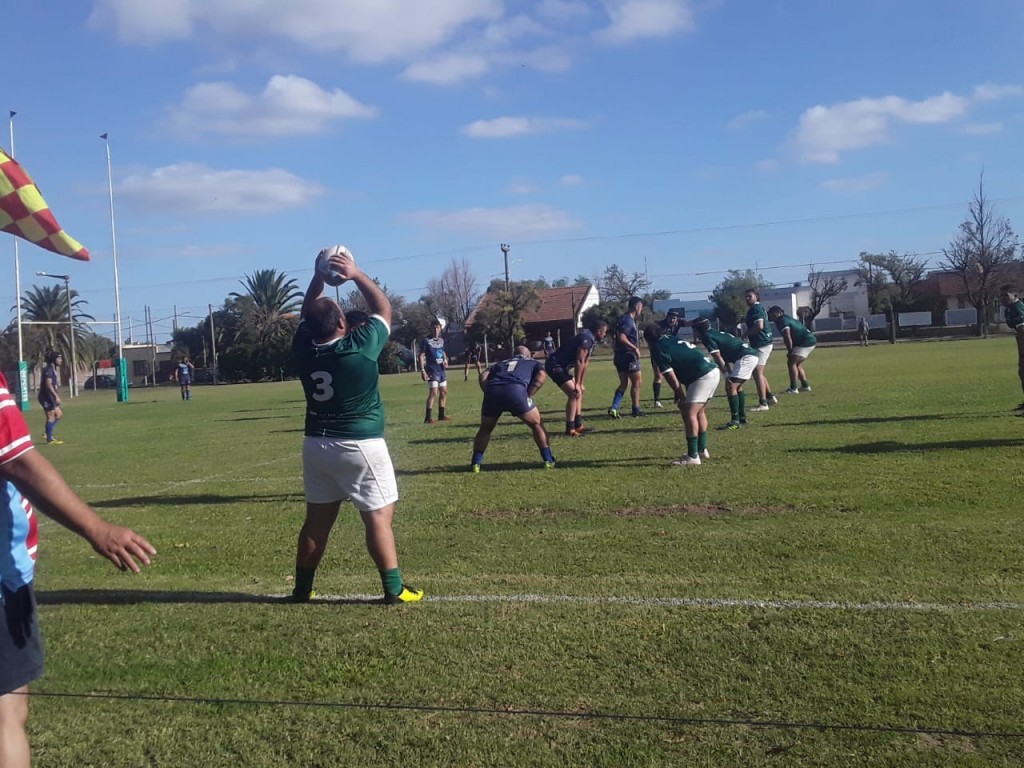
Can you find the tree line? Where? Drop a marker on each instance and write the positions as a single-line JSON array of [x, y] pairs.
[[252, 330]]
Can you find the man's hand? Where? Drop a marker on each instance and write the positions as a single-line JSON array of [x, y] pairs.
[[122, 546], [423, 374]]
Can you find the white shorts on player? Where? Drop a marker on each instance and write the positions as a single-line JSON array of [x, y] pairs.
[[802, 352], [703, 389], [359, 471], [763, 353], [743, 368]]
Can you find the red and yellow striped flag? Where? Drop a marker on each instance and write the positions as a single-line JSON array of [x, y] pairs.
[[24, 212]]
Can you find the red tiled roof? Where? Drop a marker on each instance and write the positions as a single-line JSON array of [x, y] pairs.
[[556, 305]]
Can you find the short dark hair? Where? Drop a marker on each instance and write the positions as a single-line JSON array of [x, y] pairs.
[[323, 317], [594, 325], [436, 323], [51, 356], [652, 333], [355, 317], [633, 302], [1007, 288], [776, 309], [753, 291], [701, 325]]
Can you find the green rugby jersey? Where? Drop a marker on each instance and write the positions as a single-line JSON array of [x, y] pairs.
[[764, 337], [686, 361], [340, 381], [730, 347], [797, 331], [1015, 314]]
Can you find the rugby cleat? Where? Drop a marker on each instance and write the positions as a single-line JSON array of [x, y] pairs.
[[657, 404], [302, 597], [549, 465], [428, 421], [407, 595], [791, 391], [759, 408], [806, 388], [637, 414], [55, 442], [773, 400], [614, 413], [474, 468], [730, 425], [687, 461], [705, 454]]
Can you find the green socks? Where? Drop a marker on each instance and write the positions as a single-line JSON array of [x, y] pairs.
[[391, 581], [734, 407], [702, 441], [691, 446]]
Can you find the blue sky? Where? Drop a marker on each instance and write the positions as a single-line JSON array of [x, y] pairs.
[[680, 137]]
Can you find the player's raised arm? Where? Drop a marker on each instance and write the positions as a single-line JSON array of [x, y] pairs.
[[314, 290]]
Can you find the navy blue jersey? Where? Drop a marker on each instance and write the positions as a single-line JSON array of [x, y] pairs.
[[516, 371], [567, 354], [626, 325], [433, 352]]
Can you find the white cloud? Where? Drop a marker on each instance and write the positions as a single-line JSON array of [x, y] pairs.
[[366, 30], [571, 180], [547, 58], [857, 184], [287, 106], [191, 188], [825, 132], [766, 166], [740, 122], [991, 92], [632, 20], [510, 127], [515, 221], [981, 129], [447, 69]]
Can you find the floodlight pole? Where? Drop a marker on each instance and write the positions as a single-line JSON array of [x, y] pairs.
[[505, 248], [22, 365], [73, 378]]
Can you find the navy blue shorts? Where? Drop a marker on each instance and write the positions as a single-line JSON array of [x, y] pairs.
[[627, 362], [185, 380], [21, 649], [506, 399], [48, 404], [473, 359], [437, 375], [556, 372]]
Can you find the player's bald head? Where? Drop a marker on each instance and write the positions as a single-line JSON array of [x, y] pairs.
[[523, 350]]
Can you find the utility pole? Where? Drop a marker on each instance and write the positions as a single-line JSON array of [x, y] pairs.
[[213, 344], [505, 248]]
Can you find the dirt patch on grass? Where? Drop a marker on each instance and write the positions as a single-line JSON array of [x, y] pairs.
[[675, 510]]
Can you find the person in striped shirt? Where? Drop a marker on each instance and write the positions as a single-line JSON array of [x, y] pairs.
[[29, 482]]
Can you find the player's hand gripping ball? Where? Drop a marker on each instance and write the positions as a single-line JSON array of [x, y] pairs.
[[326, 269]]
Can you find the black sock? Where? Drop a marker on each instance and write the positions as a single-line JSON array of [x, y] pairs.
[[657, 390], [303, 582]]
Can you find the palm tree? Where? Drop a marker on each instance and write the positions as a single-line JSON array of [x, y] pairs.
[[275, 297], [49, 304]]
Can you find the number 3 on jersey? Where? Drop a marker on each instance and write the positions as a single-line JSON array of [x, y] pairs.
[[324, 390]]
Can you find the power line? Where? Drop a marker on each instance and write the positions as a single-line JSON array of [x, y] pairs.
[[561, 714]]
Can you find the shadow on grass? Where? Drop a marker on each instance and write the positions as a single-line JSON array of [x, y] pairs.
[[259, 418], [138, 597], [520, 466], [201, 498], [869, 420], [892, 446]]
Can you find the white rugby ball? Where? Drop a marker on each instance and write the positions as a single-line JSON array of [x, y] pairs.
[[323, 264]]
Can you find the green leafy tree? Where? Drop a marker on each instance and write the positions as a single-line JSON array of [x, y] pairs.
[[730, 308], [49, 304], [275, 299], [894, 282], [500, 316]]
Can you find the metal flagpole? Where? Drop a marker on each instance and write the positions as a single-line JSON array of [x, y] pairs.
[[122, 365], [22, 365]]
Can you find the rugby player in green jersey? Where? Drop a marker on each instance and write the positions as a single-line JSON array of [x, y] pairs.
[[759, 334], [344, 455], [683, 365], [736, 360], [800, 342], [1015, 319]]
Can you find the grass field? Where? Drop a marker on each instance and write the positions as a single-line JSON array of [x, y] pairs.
[[840, 585]]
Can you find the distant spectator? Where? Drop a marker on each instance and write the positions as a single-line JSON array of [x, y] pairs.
[[1015, 319], [862, 331]]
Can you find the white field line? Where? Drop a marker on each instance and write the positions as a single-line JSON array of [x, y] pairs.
[[699, 602], [164, 486]]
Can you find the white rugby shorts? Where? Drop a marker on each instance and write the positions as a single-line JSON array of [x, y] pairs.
[[803, 352], [359, 471], [763, 353], [703, 389], [743, 368]]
